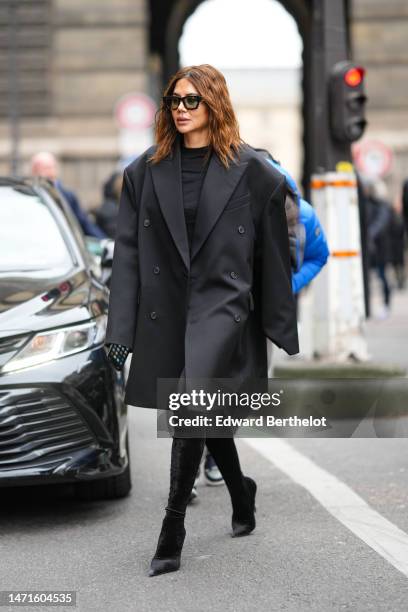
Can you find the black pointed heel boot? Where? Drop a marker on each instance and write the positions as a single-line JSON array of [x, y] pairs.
[[171, 540], [243, 519]]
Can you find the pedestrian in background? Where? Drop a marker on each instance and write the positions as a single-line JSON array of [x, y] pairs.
[[311, 247], [45, 164], [378, 219], [405, 206], [397, 239], [201, 276], [106, 215]]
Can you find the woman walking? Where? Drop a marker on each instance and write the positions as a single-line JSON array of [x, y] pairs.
[[201, 276]]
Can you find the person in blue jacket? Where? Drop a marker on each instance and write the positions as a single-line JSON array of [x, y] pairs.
[[311, 246]]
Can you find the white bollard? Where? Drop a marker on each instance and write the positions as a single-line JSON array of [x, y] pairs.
[[338, 291]]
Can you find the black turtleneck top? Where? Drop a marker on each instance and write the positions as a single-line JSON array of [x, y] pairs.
[[193, 168]]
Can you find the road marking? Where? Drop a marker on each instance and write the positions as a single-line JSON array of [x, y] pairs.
[[337, 498]]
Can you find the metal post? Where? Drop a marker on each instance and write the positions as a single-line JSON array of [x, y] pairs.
[[14, 106], [328, 46]]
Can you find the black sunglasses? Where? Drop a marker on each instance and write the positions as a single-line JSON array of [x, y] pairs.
[[190, 102]]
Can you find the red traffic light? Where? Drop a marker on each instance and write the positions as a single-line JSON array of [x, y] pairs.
[[347, 101], [354, 76]]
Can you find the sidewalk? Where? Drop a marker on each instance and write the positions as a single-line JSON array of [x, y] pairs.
[[380, 381], [387, 339]]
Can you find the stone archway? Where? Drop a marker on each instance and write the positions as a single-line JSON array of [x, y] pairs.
[[323, 27], [179, 12]]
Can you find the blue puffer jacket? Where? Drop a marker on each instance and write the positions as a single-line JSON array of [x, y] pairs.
[[312, 245]]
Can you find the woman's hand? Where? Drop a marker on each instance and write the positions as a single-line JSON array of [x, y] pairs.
[[117, 354]]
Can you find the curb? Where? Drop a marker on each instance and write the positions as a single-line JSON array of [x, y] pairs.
[[316, 369], [328, 389]]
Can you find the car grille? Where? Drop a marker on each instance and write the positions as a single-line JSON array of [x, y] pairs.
[[37, 426]]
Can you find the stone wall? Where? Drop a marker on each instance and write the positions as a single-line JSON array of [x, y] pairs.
[[78, 57], [96, 53], [380, 43]]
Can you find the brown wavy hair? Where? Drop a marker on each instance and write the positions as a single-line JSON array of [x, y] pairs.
[[223, 125]]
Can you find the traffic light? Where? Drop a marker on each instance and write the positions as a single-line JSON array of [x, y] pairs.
[[347, 101]]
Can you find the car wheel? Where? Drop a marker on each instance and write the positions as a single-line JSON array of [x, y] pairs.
[[114, 487]]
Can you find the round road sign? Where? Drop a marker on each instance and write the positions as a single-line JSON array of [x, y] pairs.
[[135, 111], [373, 158]]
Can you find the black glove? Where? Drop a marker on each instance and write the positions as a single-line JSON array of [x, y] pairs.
[[117, 354]]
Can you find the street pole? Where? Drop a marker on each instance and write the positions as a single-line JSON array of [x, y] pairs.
[[328, 46], [14, 108], [337, 300]]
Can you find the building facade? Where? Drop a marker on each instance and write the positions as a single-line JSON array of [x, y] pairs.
[[379, 41], [64, 64]]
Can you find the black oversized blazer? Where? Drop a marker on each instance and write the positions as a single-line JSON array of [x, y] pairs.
[[208, 311]]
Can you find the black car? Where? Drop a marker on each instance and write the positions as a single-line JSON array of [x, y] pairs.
[[62, 415]]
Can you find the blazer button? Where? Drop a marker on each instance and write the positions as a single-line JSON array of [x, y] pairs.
[[234, 275], [241, 229], [146, 222], [237, 318], [156, 270], [153, 315]]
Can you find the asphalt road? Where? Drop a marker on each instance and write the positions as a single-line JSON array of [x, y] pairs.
[[300, 557]]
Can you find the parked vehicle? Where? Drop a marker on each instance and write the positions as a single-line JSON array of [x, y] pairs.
[[62, 415]]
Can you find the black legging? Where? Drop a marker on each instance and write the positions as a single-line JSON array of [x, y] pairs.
[[186, 455]]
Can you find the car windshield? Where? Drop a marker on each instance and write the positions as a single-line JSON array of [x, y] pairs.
[[30, 238]]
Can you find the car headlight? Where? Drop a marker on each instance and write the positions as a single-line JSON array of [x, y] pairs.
[[50, 345]]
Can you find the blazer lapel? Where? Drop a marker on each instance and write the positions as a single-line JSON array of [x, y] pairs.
[[218, 186], [167, 183]]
